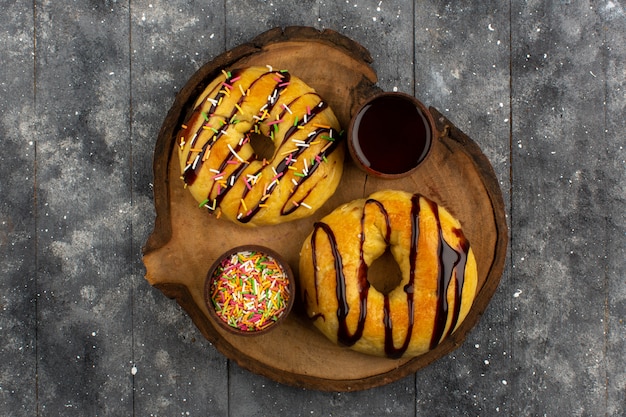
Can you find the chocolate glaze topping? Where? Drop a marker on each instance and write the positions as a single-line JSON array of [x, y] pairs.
[[451, 266]]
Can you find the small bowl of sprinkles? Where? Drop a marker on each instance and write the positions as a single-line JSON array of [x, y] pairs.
[[249, 290]]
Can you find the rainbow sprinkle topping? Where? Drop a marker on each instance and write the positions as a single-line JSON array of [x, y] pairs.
[[249, 290]]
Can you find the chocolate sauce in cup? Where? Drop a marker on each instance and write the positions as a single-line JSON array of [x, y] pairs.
[[390, 135]]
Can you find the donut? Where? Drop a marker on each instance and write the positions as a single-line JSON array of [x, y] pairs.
[[223, 170], [438, 275]]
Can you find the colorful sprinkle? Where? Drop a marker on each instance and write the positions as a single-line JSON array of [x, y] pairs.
[[235, 154], [248, 186], [290, 151], [275, 122], [249, 290]]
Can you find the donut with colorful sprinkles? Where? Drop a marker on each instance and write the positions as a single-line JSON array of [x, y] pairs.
[[223, 170]]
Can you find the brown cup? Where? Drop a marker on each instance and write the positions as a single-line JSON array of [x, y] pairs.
[[214, 275], [390, 135]]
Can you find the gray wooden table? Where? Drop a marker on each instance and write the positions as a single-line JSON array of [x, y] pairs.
[[84, 87]]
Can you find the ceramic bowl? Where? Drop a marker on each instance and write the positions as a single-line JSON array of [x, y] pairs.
[[249, 290], [390, 135]]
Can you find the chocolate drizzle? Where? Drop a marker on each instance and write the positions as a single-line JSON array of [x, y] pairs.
[[451, 265], [390, 349], [338, 263], [220, 190], [459, 276], [448, 258], [190, 174]]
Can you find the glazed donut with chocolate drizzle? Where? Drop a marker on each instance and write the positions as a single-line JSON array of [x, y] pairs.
[[438, 275], [219, 164]]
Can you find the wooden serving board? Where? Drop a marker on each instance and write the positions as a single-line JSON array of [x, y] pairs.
[[186, 240]]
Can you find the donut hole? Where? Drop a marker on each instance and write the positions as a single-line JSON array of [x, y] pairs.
[[262, 146], [384, 273]]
